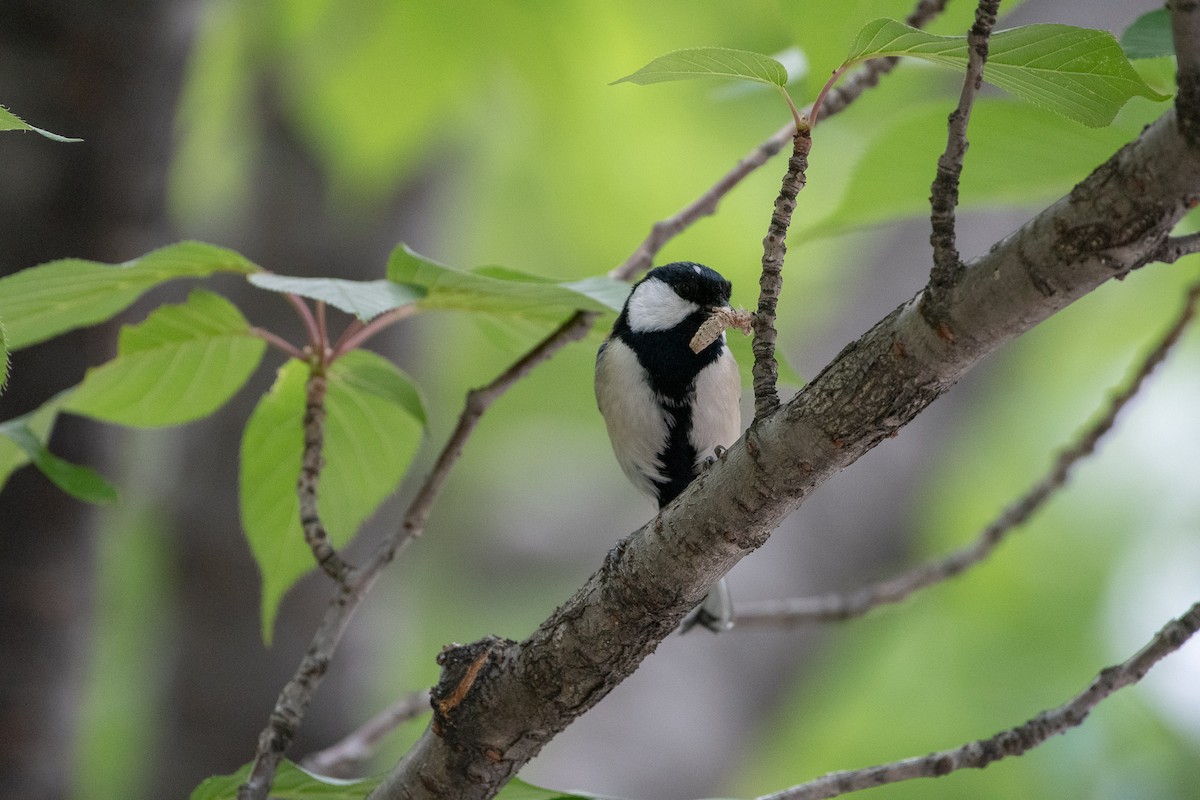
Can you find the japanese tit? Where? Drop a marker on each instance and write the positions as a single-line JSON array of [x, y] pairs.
[[668, 409]]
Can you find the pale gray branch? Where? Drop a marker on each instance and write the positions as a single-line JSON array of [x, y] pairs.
[[340, 760], [1011, 742]]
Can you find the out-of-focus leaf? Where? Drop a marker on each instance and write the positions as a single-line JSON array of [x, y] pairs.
[[364, 299], [1080, 73], [373, 424], [740, 346], [1020, 154], [41, 422], [80, 482], [52, 298], [292, 782], [710, 62], [181, 364], [497, 290], [1149, 36], [11, 122]]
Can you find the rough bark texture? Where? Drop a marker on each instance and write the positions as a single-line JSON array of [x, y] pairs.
[[509, 698]]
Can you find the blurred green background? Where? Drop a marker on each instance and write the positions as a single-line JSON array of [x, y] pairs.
[[314, 135]]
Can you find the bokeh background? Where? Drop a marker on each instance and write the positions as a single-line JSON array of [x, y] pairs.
[[314, 135]]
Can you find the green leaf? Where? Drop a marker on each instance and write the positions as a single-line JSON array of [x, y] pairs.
[[373, 424], [181, 364], [517, 789], [364, 299], [1077, 72], [83, 483], [41, 422], [11, 122], [291, 783], [44, 301], [1149, 36], [499, 290], [709, 62]]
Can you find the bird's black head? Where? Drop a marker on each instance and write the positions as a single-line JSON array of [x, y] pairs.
[[694, 282], [677, 297]]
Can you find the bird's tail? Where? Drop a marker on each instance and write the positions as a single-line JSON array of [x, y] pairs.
[[715, 613]]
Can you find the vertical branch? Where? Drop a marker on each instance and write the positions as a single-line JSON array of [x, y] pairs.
[[311, 463], [766, 370], [1185, 31], [943, 199]]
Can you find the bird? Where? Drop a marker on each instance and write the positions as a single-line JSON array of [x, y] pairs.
[[670, 411]]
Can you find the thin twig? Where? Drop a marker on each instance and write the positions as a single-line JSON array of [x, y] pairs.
[[342, 759], [357, 333], [1176, 247], [310, 322], [835, 607], [770, 282], [277, 341], [943, 199], [322, 331], [309, 479], [478, 401], [1011, 742]]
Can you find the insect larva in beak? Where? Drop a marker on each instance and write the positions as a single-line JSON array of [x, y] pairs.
[[720, 319]]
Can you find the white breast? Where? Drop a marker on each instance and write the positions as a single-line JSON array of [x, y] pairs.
[[637, 425], [716, 420]]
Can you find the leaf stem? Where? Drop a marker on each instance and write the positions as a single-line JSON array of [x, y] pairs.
[[815, 113], [357, 332], [310, 323], [277, 341]]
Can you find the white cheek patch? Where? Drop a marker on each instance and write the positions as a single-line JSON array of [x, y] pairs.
[[637, 424], [654, 306]]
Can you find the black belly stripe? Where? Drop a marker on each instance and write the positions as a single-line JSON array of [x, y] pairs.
[[679, 456]]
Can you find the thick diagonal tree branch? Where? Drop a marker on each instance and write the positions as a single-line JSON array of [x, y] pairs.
[[500, 701]]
